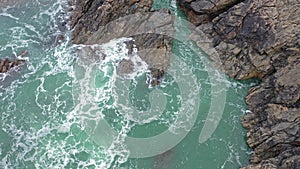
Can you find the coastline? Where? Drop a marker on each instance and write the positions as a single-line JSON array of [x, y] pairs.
[[251, 39], [258, 39]]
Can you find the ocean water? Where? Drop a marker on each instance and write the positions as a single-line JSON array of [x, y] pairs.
[[67, 109]]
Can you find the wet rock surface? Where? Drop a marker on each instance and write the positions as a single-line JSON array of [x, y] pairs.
[[99, 21], [125, 67], [259, 39], [6, 64]]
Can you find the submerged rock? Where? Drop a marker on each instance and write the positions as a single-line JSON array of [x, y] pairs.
[[259, 39], [125, 67]]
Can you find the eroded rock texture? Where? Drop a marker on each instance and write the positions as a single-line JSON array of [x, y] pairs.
[[258, 38], [6, 64], [99, 21], [274, 126], [249, 35], [203, 11], [89, 15]]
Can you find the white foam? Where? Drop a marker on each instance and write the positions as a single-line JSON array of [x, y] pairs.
[[8, 15]]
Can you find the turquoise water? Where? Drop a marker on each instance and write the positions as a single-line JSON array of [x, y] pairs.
[[62, 110]]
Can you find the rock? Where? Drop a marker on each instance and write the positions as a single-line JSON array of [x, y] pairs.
[[6, 64], [287, 84], [204, 11], [258, 39], [156, 76], [59, 39], [125, 67], [92, 53], [98, 22], [89, 15], [274, 124], [245, 37], [164, 160]]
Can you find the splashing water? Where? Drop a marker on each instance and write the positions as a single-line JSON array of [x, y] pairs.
[[53, 109]]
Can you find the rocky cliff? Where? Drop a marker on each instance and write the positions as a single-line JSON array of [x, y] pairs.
[[258, 39], [99, 21], [245, 38], [88, 16]]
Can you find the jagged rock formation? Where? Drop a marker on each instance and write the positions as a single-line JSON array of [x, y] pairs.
[[245, 38], [203, 11], [6, 64], [258, 38], [249, 35], [99, 21], [88, 15], [274, 126]]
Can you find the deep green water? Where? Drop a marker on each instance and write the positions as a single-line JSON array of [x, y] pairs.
[[53, 109]]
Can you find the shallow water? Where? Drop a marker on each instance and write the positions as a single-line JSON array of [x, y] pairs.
[[63, 110]]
